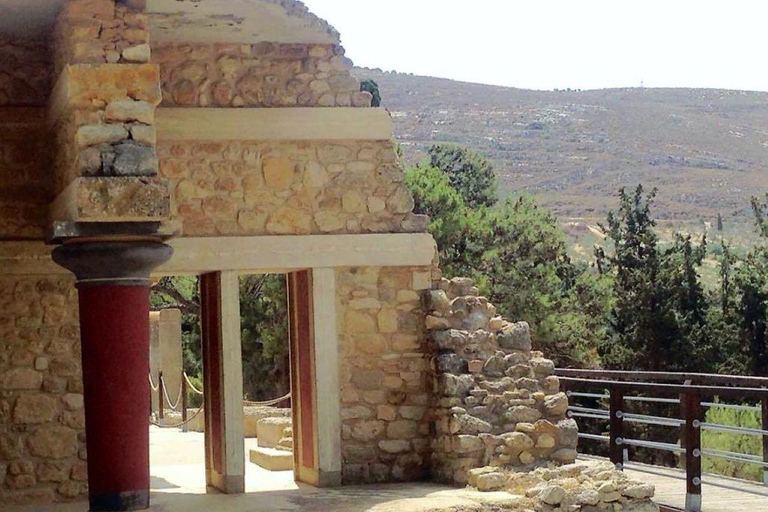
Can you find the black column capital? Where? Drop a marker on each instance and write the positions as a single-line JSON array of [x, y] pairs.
[[112, 263]]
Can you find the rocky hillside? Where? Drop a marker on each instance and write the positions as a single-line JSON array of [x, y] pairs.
[[706, 150]]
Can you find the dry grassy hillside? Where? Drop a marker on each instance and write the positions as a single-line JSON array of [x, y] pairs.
[[706, 150]]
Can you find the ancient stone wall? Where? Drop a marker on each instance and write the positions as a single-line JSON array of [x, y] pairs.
[[42, 448], [99, 32], [297, 188], [25, 74], [103, 114], [259, 75], [384, 374], [497, 402], [25, 184]]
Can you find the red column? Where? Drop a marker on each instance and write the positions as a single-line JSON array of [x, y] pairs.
[[113, 286], [114, 333]]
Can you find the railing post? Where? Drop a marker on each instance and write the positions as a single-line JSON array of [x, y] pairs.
[[765, 438], [690, 402], [616, 451], [160, 400], [183, 402]]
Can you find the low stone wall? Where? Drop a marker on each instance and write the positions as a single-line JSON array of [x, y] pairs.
[[259, 75], [287, 188], [497, 402], [42, 425]]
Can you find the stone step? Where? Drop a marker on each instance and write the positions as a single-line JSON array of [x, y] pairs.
[[285, 443], [272, 459]]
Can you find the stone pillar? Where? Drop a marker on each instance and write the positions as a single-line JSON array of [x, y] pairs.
[[113, 286]]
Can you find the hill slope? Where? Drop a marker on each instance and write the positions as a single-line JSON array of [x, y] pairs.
[[706, 150]]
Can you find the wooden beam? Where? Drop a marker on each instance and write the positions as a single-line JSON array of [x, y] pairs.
[[332, 123]]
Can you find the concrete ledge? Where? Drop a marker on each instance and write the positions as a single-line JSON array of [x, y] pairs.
[[272, 459], [262, 124]]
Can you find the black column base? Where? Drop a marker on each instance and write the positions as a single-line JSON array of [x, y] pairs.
[[119, 502]]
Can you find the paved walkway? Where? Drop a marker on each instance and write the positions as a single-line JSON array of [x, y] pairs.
[[178, 485], [718, 494]]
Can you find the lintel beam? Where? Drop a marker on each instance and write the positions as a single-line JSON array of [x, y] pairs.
[[251, 254], [263, 124]]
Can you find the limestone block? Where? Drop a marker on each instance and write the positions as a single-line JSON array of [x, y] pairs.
[[93, 134], [556, 405], [129, 110], [129, 159], [53, 442], [113, 199], [21, 378], [492, 481], [31, 409], [138, 53], [515, 336], [278, 172], [552, 495], [270, 431], [272, 459]]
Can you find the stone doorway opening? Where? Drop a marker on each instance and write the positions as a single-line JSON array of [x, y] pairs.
[[243, 349], [266, 369]]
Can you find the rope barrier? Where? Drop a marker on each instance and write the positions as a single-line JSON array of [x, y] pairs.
[[152, 384], [269, 402], [177, 425], [168, 399], [192, 386]]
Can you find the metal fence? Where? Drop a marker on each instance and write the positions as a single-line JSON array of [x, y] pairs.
[[693, 393]]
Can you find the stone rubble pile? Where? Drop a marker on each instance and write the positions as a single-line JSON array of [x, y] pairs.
[[594, 486], [497, 402]]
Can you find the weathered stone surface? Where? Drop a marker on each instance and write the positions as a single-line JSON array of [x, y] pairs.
[[92, 135], [33, 409], [552, 495], [128, 110], [490, 481], [53, 442], [639, 492], [21, 378], [138, 53], [556, 405], [515, 336], [130, 159], [103, 199]]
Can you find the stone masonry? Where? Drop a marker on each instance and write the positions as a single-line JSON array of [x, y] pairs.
[[385, 384], [103, 110], [259, 75], [496, 402], [42, 426], [298, 188]]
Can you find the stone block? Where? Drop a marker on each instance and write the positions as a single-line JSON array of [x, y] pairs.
[[270, 431], [32, 409], [53, 442], [113, 199], [128, 110], [272, 459], [21, 378]]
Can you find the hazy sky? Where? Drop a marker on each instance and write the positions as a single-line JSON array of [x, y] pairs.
[[546, 44]]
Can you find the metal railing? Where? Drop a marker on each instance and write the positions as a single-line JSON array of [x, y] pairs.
[[688, 390]]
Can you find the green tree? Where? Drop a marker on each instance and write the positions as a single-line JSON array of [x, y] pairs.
[[372, 87], [658, 318], [470, 173]]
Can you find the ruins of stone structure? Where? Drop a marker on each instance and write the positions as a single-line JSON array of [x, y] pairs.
[[236, 138]]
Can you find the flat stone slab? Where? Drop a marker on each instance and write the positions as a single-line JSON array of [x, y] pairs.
[[272, 459]]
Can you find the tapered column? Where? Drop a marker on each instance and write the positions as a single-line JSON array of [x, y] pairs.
[[113, 287]]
